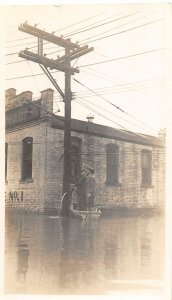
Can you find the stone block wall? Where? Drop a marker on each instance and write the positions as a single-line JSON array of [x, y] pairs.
[[54, 168], [128, 193], [28, 194], [44, 192]]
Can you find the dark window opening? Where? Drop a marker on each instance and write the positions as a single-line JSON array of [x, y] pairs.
[[146, 167], [27, 158], [112, 164]]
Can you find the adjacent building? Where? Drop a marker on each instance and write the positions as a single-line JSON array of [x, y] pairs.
[[129, 167]]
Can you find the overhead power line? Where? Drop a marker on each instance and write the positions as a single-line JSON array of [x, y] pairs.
[[22, 39], [77, 32], [88, 28], [112, 113], [82, 21], [121, 25], [128, 132], [114, 28], [15, 62], [122, 57], [98, 34], [12, 46], [84, 40], [117, 107], [102, 20], [8, 54], [100, 62], [123, 84], [126, 87], [123, 31], [69, 26], [106, 77]]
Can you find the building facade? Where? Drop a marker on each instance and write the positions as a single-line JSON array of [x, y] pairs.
[[129, 168]]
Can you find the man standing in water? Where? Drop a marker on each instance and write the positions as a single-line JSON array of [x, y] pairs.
[[91, 188], [82, 191]]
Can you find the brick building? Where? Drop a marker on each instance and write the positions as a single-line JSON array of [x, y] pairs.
[[129, 168]]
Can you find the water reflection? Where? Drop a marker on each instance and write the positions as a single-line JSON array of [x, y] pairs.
[[66, 265], [22, 256], [65, 256]]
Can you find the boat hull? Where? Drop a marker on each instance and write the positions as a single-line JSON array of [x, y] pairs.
[[85, 214]]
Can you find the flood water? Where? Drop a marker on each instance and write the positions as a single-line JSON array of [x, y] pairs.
[[66, 256]]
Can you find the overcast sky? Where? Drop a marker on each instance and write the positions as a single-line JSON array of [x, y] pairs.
[[129, 66]]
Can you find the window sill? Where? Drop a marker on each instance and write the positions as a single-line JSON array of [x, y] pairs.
[[27, 180]]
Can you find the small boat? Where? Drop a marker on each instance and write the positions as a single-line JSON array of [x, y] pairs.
[[94, 213]]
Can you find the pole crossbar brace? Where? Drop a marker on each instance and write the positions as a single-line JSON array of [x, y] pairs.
[[47, 36], [46, 61], [46, 71], [75, 54]]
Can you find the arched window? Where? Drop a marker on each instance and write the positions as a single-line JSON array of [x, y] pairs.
[[146, 161], [112, 164], [6, 160], [27, 147], [75, 159]]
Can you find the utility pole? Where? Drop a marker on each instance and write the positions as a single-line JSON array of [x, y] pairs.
[[63, 63], [67, 136]]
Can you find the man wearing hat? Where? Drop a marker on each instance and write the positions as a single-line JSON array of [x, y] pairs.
[[91, 187], [82, 190]]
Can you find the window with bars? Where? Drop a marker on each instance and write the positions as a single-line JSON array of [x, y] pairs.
[[6, 160], [27, 147], [112, 164], [146, 160]]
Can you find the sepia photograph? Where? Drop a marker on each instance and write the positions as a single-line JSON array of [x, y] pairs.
[[86, 96]]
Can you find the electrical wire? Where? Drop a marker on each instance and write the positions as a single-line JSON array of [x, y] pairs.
[[82, 21], [27, 38], [13, 53], [127, 132], [124, 130], [12, 46], [125, 64], [122, 90], [110, 112], [123, 31], [117, 107], [104, 76], [117, 27], [33, 76], [69, 26], [123, 17], [87, 26], [123, 86], [122, 57], [121, 25], [106, 36], [15, 62], [76, 31], [100, 62]]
